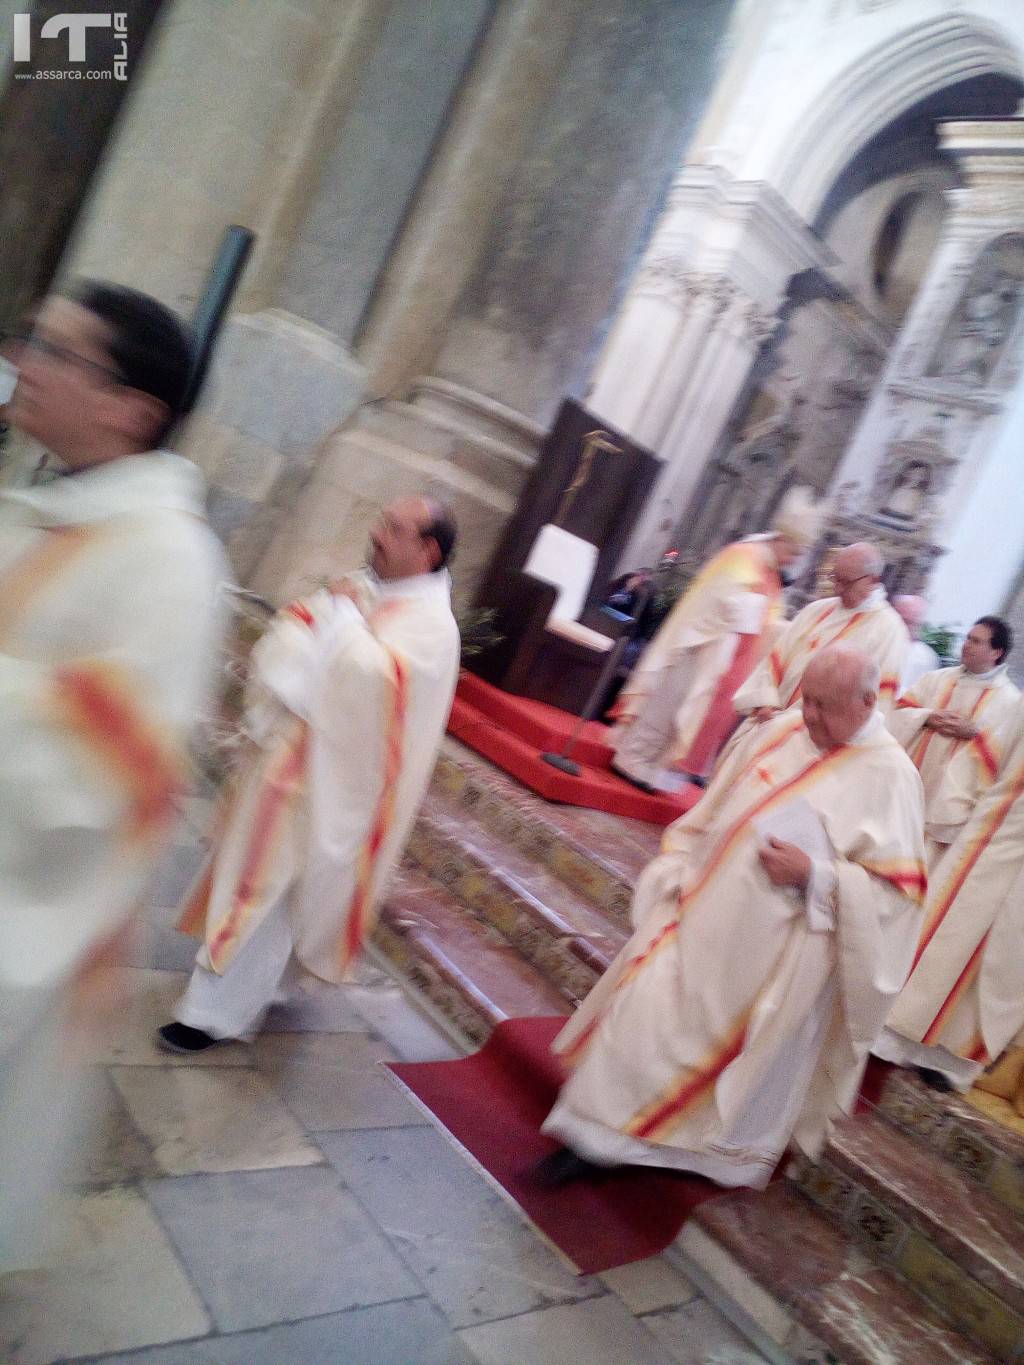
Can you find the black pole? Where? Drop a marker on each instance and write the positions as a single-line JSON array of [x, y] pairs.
[[564, 761], [218, 291]]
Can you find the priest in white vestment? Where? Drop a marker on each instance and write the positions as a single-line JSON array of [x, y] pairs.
[[955, 724], [347, 702], [964, 999], [860, 615], [921, 658], [772, 935], [109, 632], [715, 634]]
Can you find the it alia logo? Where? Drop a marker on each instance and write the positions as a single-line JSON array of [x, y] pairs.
[[76, 28]]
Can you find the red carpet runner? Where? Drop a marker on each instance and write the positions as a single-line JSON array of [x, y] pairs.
[[493, 1104], [513, 732]]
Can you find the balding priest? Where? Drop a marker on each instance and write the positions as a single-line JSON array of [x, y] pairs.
[[964, 1000], [347, 701], [673, 714], [955, 723], [772, 935], [859, 615]]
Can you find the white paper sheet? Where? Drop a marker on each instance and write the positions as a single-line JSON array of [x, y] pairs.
[[800, 824]]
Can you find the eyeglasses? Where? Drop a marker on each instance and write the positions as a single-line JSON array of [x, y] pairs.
[[25, 340], [841, 583]]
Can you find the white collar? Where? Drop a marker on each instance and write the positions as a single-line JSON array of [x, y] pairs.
[[993, 676], [434, 584], [867, 734], [155, 480], [875, 600]]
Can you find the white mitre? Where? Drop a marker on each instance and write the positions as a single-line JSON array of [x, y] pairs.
[[798, 517]]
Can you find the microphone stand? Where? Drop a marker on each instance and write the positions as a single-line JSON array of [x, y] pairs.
[[564, 761]]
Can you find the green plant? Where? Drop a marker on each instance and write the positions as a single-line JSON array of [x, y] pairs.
[[476, 629], [943, 640]]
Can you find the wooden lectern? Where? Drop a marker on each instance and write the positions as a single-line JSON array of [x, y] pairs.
[[549, 575]]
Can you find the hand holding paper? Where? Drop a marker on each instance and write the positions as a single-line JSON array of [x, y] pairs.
[[805, 850]]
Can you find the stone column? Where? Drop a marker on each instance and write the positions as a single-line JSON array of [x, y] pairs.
[[702, 304], [636, 78], [495, 298], [920, 458]]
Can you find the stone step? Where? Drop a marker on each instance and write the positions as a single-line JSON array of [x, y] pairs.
[[463, 968], [598, 856], [808, 1285], [987, 1153], [564, 935], [954, 1243]]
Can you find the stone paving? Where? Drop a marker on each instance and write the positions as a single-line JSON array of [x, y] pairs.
[[285, 1202]]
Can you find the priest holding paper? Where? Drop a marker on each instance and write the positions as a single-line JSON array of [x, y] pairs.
[[955, 723], [964, 999], [772, 934], [674, 713], [348, 697], [859, 615]]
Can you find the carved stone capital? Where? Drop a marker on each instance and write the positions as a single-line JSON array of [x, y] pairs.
[[666, 277]]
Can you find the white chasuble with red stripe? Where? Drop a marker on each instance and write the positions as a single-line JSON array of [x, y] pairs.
[[720, 628], [955, 772], [346, 707], [872, 627], [725, 986], [966, 990], [109, 631]]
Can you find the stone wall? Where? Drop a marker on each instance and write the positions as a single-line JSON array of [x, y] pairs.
[[219, 132]]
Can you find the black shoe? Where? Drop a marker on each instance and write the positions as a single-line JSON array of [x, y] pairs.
[[935, 1079], [184, 1041], [563, 1167], [633, 781]]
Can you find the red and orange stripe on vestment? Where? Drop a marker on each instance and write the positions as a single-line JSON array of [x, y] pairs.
[[30, 574], [357, 921], [284, 775], [656, 1119], [725, 846], [96, 701], [933, 1034], [909, 877], [966, 863], [924, 739], [815, 645]]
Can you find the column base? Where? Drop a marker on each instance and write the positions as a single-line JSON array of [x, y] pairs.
[[447, 442]]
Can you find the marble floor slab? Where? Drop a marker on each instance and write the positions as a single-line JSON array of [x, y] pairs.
[[116, 1284], [477, 1258], [411, 1332], [334, 1080], [212, 1119], [645, 1286], [697, 1334], [603, 1332], [113, 1151], [151, 997], [268, 1246], [383, 1005]]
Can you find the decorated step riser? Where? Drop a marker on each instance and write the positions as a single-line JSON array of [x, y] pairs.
[[582, 875], [496, 905], [922, 1116], [895, 1244], [464, 1013]]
